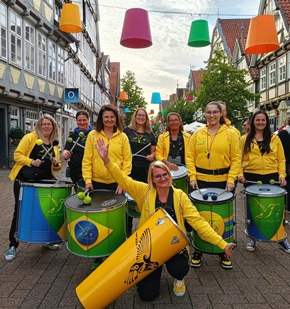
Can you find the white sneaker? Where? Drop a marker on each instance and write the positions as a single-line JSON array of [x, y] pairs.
[[285, 245], [51, 246], [179, 287], [10, 254], [251, 245]]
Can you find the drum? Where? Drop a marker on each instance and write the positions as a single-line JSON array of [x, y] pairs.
[[179, 178], [216, 206], [96, 229], [41, 211], [131, 207], [265, 206], [150, 246]]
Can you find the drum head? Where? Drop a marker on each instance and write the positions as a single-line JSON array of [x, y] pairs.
[[206, 195], [129, 197], [102, 200], [181, 172], [265, 190]]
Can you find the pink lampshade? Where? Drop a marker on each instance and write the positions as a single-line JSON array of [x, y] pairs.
[[136, 29]]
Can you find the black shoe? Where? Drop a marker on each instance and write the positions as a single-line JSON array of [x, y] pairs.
[[196, 259], [225, 262]]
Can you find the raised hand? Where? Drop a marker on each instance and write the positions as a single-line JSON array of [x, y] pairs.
[[103, 150]]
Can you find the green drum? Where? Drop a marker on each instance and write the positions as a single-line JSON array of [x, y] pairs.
[[96, 229], [265, 212], [216, 206], [180, 179], [131, 207]]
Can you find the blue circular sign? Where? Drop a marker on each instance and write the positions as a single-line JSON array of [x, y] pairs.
[[86, 232]]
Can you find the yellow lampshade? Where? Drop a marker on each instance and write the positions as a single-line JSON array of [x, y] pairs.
[[70, 20]]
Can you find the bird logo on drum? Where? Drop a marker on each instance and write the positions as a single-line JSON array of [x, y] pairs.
[[143, 257], [266, 211], [86, 232], [58, 206]]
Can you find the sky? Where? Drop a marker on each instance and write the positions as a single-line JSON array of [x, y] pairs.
[[166, 64]]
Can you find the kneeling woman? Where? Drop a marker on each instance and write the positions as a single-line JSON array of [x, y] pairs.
[[159, 192]]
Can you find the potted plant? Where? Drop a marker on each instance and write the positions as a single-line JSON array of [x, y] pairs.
[[15, 134]]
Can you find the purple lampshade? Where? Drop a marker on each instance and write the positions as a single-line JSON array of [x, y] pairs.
[[136, 29]]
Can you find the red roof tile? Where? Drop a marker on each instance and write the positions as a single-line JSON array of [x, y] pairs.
[[285, 5]]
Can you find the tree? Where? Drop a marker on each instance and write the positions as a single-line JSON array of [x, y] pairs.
[[134, 94], [184, 108], [221, 81]]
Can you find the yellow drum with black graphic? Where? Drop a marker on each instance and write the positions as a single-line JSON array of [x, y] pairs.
[[96, 229]]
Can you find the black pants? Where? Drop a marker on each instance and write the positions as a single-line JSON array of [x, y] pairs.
[[149, 288], [12, 239], [104, 186]]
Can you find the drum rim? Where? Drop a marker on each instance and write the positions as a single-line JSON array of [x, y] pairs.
[[265, 194], [183, 174], [212, 201], [56, 184]]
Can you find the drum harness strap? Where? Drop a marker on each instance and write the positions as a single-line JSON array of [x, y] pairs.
[[220, 171]]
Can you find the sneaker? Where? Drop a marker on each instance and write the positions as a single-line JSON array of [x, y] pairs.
[[51, 246], [196, 260], [250, 246], [179, 287], [10, 254], [285, 245], [96, 263], [225, 262]]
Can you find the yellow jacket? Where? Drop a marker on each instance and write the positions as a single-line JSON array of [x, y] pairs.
[[163, 145], [183, 207], [22, 152], [229, 125], [219, 151], [272, 162], [93, 167]]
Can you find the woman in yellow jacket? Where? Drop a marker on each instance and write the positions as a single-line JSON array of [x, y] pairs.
[[213, 160], [171, 146], [159, 192], [31, 164], [262, 159]]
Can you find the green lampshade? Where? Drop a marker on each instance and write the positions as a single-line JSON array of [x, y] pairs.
[[199, 34]]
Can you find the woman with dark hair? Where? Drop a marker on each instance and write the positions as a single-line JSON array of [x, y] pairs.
[[108, 127], [143, 145], [31, 159], [172, 144], [77, 141], [213, 160], [262, 159], [159, 192]]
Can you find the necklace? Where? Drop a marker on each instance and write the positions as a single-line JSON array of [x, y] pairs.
[[139, 136], [207, 152]]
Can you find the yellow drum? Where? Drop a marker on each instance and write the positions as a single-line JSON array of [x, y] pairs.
[[150, 246]]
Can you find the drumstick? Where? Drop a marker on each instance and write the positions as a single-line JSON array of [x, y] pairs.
[[136, 154], [81, 134], [215, 196], [259, 182], [39, 142], [273, 182], [204, 196]]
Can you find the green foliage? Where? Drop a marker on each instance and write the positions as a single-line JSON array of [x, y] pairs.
[[184, 108], [221, 81], [134, 94], [16, 135]]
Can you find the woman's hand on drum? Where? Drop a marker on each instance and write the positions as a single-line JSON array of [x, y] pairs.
[[282, 181], [242, 179], [151, 157], [89, 187], [230, 186], [119, 190], [229, 250], [193, 184], [36, 162]]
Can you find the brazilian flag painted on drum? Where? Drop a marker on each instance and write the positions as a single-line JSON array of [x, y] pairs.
[[41, 212], [265, 212], [216, 206], [96, 229]]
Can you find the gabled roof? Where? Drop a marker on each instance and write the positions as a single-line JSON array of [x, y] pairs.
[[285, 6]]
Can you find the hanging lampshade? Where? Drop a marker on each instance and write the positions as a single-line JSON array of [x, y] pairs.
[[136, 29], [70, 19], [262, 36], [199, 34], [126, 110], [156, 98], [123, 96]]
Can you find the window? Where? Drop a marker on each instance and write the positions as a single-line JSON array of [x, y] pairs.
[[272, 74], [3, 29], [263, 79], [15, 39], [41, 54], [51, 61], [60, 65], [29, 43], [282, 69]]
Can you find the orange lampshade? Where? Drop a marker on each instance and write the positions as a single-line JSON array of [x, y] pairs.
[[262, 36], [123, 96], [70, 20]]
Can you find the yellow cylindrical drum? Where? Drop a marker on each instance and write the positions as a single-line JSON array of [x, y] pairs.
[[150, 246]]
